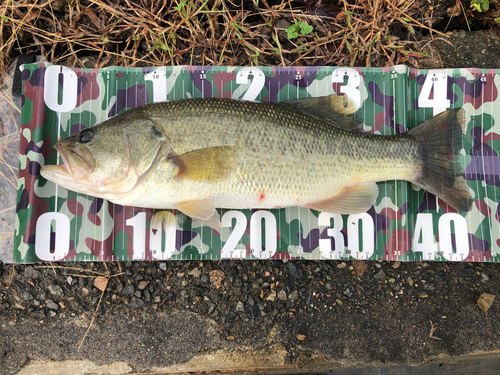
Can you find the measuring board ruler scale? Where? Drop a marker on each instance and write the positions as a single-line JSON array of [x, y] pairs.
[[406, 223]]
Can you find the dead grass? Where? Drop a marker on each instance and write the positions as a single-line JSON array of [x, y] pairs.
[[98, 33]]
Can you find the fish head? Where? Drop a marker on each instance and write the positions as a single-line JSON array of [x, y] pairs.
[[110, 159]]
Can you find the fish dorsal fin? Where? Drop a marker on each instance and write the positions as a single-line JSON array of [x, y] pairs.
[[333, 109], [206, 164], [352, 200], [202, 209]]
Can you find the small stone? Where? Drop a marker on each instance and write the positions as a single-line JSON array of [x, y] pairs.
[[294, 296], [55, 290], [380, 275], [360, 266], [328, 286], [31, 273], [250, 301], [378, 265], [216, 277], [462, 34], [240, 306], [295, 271], [301, 337], [484, 277], [392, 279], [396, 265], [138, 294], [51, 304], [204, 279], [163, 266], [211, 308], [485, 301], [282, 295], [27, 295], [410, 281], [143, 284], [271, 296], [101, 283], [157, 299], [85, 292], [342, 265], [69, 280], [348, 293], [129, 289], [339, 302], [136, 303], [184, 283], [429, 286], [195, 272], [424, 295]]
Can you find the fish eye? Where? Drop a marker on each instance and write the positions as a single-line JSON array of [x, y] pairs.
[[86, 135]]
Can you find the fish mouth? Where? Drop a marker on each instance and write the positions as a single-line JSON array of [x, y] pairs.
[[75, 171], [77, 161]]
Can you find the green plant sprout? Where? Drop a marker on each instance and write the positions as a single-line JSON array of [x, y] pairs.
[[299, 27], [480, 5]]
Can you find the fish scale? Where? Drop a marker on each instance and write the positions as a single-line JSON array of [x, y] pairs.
[[294, 158]]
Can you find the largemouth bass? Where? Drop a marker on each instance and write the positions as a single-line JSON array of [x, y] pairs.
[[196, 155]]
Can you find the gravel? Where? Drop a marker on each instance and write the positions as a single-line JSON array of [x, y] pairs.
[[256, 304]]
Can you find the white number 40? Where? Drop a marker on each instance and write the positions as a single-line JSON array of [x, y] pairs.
[[423, 238]]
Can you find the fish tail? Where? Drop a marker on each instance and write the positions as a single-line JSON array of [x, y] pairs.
[[440, 173]]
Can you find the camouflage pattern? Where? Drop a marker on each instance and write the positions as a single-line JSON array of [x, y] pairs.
[[54, 224]]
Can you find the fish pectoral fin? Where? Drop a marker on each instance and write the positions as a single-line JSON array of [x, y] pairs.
[[202, 209], [352, 200], [333, 109], [206, 164]]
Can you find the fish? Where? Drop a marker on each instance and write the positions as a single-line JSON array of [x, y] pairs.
[[197, 155]]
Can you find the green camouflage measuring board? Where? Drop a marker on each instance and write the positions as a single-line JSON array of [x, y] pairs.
[[406, 223]]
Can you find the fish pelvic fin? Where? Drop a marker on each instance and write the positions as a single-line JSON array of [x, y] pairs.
[[352, 200], [440, 173]]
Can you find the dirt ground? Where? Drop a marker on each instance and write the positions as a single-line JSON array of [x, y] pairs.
[[303, 312]]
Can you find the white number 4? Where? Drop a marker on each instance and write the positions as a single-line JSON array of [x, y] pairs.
[[437, 82]]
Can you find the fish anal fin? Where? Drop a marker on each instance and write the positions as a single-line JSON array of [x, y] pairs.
[[206, 164], [352, 200], [202, 209]]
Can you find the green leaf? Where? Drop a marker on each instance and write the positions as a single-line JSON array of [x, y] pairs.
[[292, 32], [105, 40], [497, 20], [305, 28]]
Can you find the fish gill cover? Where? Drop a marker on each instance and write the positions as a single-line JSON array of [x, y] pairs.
[[406, 223]]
